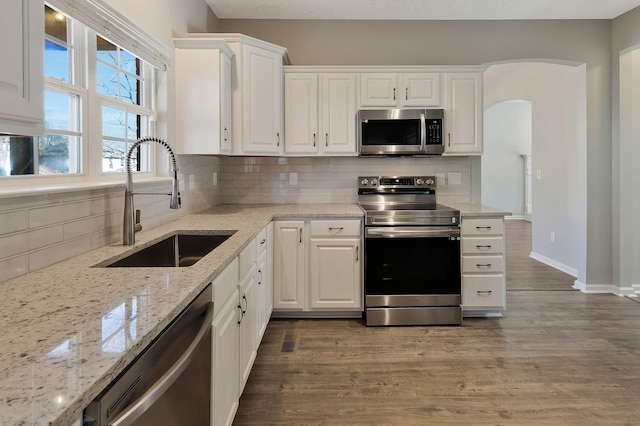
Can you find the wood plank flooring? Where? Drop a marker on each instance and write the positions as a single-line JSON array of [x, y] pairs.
[[558, 357]]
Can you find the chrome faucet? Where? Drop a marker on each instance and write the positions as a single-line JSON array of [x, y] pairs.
[[131, 223]]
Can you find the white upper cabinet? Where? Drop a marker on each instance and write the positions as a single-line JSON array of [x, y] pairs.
[[262, 102], [320, 112], [21, 73], [463, 113], [203, 96], [399, 89]]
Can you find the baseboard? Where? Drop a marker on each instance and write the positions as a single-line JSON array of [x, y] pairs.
[[557, 265], [632, 291]]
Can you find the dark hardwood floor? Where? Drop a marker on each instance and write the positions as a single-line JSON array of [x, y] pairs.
[[557, 357]]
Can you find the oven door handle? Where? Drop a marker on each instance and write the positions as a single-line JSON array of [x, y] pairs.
[[413, 232]]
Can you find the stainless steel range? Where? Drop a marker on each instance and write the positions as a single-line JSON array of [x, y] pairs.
[[412, 253]]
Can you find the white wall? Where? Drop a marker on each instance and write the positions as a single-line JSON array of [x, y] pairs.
[[507, 136], [626, 152], [556, 93]]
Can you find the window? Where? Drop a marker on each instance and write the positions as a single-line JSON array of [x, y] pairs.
[[93, 87]]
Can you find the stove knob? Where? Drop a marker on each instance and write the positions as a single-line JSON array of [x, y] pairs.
[[419, 181], [430, 182], [364, 182], [374, 182]]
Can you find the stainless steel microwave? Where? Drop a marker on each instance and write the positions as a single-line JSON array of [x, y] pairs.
[[400, 131]]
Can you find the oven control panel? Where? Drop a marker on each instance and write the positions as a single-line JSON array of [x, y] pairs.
[[391, 182]]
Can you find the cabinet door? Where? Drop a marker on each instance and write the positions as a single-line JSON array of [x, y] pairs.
[[378, 89], [225, 108], [225, 332], [248, 324], [203, 101], [301, 113], [338, 135], [463, 118], [262, 296], [420, 89], [288, 265], [262, 101], [21, 80], [335, 273]]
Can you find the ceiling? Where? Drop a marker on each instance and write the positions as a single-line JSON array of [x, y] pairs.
[[421, 9]]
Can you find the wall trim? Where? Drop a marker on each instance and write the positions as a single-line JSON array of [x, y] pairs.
[[554, 264], [632, 291]]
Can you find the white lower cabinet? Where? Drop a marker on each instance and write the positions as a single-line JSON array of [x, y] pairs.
[[248, 318], [483, 266], [321, 273], [226, 349], [264, 289]]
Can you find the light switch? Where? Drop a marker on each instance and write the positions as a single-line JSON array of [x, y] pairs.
[[538, 174], [440, 179], [293, 178], [215, 178], [454, 178]]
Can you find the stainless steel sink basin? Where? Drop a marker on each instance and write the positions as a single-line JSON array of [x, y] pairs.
[[176, 250]]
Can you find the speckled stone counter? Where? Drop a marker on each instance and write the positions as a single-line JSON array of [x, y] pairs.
[[69, 329], [478, 210]]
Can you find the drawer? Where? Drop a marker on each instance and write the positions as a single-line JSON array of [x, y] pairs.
[[484, 226], [247, 259], [488, 264], [261, 242], [335, 228], [224, 285], [483, 291], [482, 245]]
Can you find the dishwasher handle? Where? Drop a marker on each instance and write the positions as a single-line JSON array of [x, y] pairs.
[[142, 404]]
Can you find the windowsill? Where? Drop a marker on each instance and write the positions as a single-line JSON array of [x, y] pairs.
[[49, 188]]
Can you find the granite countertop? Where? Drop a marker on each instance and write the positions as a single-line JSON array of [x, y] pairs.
[[69, 329], [467, 209]]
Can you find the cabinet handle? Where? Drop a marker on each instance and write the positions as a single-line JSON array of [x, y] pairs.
[[481, 247], [278, 138], [314, 139], [244, 311], [483, 265], [406, 94], [326, 139], [486, 292], [483, 227], [260, 279], [357, 253], [394, 93], [226, 134], [449, 136], [264, 240], [300, 235], [340, 229], [241, 314]]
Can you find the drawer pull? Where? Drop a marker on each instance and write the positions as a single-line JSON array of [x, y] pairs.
[[483, 265], [484, 292], [264, 240], [340, 229], [483, 227], [481, 247]]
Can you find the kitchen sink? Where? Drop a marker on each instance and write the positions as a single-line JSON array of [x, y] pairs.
[[176, 250]]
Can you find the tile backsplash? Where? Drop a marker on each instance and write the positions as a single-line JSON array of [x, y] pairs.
[[260, 180], [39, 230]]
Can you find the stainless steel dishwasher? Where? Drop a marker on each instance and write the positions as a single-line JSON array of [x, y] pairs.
[[170, 382]]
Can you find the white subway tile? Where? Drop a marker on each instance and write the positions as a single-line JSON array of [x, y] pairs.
[[48, 256], [13, 222], [13, 267], [58, 214], [30, 240]]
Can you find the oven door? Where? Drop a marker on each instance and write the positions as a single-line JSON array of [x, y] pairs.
[[412, 266]]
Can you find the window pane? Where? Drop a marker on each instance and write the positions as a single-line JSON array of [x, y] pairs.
[[107, 80], [58, 110], [56, 152], [113, 156], [56, 61], [107, 51], [133, 126], [129, 88], [113, 123], [129, 63]]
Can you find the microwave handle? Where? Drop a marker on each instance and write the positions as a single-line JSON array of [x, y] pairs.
[[423, 132]]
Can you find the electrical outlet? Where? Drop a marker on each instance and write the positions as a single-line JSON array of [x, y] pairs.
[[293, 178], [539, 174], [552, 237], [192, 182], [215, 178], [440, 179]]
